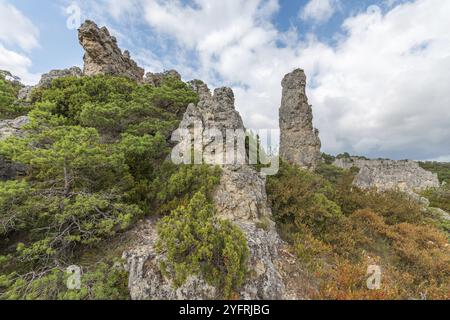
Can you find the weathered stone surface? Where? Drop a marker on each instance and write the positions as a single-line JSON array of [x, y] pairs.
[[8, 128], [103, 56], [46, 81], [241, 195], [147, 282], [299, 141], [47, 78], [383, 175], [13, 127], [211, 122], [201, 88], [240, 198], [157, 79], [24, 93]]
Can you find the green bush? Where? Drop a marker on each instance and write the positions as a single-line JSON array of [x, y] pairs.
[[8, 95], [196, 243], [442, 169], [439, 197], [104, 281], [95, 152]]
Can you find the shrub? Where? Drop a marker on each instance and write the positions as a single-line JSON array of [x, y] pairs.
[[196, 243], [8, 95], [103, 281], [439, 197]]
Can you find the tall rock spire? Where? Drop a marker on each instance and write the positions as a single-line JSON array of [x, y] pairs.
[[300, 143], [103, 55]]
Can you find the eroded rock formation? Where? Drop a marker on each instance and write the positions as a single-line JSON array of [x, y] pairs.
[[46, 81], [47, 78], [299, 141], [156, 79], [383, 175], [240, 197], [103, 56]]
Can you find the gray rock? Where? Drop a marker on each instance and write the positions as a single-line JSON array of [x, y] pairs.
[[24, 93], [201, 88], [9, 128], [299, 141], [46, 81], [240, 197], [47, 78], [12, 127], [406, 175], [157, 79], [103, 56], [146, 282], [444, 215]]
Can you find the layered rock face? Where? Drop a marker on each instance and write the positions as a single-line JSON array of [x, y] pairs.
[[299, 141], [383, 175], [9, 128], [103, 56], [240, 197]]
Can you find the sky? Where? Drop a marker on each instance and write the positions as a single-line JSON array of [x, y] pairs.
[[378, 70]]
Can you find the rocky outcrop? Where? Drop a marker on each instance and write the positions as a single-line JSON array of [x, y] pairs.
[[299, 141], [157, 79], [103, 56], [13, 127], [25, 93], [383, 175], [200, 88], [46, 81], [240, 197], [47, 78], [9, 128]]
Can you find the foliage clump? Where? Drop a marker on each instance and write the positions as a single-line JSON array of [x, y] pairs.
[[9, 89], [195, 242], [95, 153]]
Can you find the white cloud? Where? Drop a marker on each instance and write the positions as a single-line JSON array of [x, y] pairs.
[[382, 90], [16, 29], [17, 33], [18, 65], [319, 10]]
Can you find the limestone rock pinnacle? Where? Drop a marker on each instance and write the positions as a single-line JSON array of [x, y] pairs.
[[300, 143], [103, 56]]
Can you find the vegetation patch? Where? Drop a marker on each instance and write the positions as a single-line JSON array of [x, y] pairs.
[[196, 242]]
